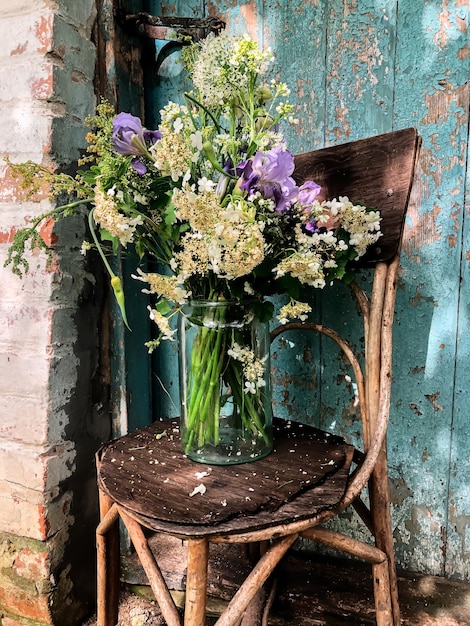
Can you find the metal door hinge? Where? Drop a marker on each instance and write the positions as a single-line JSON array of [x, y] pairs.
[[167, 28]]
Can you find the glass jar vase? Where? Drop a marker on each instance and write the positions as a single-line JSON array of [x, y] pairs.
[[226, 414]]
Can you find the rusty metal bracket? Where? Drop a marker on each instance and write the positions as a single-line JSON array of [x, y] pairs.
[[169, 28]]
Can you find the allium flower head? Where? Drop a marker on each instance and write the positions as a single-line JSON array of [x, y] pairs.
[[226, 66]]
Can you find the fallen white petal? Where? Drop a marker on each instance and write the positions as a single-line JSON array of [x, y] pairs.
[[199, 489]]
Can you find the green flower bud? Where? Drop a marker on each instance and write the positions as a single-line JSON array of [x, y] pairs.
[[264, 93], [116, 284]]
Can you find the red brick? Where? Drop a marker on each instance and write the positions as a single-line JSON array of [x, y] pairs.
[[18, 602], [32, 565], [46, 232], [44, 33], [43, 87], [44, 524]]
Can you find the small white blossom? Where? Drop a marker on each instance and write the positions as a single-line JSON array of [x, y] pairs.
[[85, 247], [247, 288], [196, 140], [204, 184], [162, 322], [178, 125]]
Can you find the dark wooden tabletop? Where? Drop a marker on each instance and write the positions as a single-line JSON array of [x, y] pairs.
[[147, 473]]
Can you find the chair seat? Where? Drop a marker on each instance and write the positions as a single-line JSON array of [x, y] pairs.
[[146, 474]]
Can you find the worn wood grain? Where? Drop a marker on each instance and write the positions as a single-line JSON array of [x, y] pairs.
[[147, 473], [374, 171]]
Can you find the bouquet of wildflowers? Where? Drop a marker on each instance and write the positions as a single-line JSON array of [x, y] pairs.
[[211, 198]]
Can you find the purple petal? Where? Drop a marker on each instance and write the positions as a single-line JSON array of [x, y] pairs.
[[139, 167], [274, 166], [152, 136], [312, 226], [308, 193], [128, 135], [287, 195]]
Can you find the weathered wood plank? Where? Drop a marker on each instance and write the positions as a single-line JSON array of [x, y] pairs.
[[359, 68], [431, 88]]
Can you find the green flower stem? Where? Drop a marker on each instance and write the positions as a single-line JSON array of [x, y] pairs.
[[211, 404], [202, 356], [207, 362], [208, 365], [246, 401]]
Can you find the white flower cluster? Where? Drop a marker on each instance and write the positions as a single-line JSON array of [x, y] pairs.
[[253, 368], [162, 322], [362, 225], [315, 253], [294, 310], [227, 241], [167, 287], [226, 66], [108, 216]]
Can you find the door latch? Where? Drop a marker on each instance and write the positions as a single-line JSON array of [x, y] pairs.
[[169, 28]]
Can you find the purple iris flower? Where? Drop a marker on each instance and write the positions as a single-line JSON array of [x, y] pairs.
[[308, 193], [128, 135], [270, 173], [152, 136], [130, 139]]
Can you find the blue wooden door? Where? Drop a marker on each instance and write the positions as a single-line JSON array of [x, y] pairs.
[[356, 69]]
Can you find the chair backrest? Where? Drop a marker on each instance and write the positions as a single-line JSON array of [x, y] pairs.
[[377, 171]]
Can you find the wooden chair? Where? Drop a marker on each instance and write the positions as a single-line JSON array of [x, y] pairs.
[[311, 476]]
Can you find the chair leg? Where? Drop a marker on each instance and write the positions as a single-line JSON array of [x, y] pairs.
[[257, 612], [254, 581], [380, 510], [196, 583], [108, 563], [151, 568], [383, 604]]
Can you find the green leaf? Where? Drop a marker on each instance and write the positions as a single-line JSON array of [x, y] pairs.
[[140, 248], [264, 311], [170, 214], [90, 176], [163, 306], [106, 236]]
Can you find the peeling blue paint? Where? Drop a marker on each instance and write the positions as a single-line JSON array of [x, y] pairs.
[[358, 69]]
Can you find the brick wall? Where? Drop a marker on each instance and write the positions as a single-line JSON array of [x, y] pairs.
[[48, 326]]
